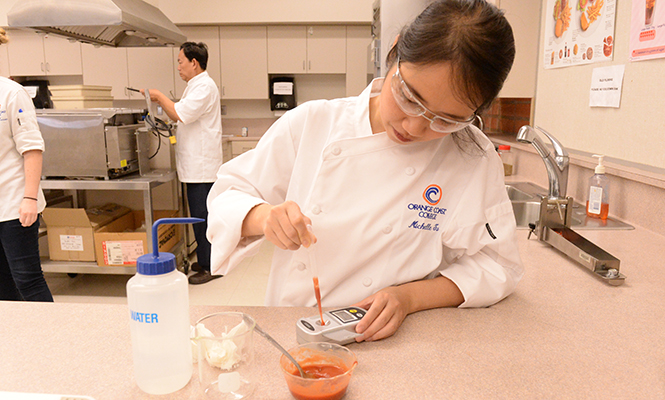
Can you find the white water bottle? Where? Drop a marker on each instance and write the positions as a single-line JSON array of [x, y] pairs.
[[158, 298]]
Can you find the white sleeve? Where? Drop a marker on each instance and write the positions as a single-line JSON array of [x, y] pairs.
[[257, 176], [480, 252], [483, 259], [25, 129], [197, 102]]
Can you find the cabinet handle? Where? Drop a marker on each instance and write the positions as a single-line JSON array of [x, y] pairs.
[[41, 66], [310, 65], [223, 91], [303, 65], [48, 67]]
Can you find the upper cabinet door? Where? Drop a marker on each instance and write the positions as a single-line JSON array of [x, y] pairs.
[[151, 68], [37, 54], [244, 62], [106, 66], [326, 49], [62, 56], [287, 49], [210, 36], [26, 53]]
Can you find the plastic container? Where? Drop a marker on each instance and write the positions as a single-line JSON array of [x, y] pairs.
[[508, 159], [158, 298], [598, 202]]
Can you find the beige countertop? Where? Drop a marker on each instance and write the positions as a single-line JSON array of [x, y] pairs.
[[563, 334]]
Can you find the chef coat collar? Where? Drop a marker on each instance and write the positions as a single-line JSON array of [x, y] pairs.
[[198, 77]]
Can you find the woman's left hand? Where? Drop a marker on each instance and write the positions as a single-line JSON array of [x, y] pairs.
[[386, 311], [27, 212]]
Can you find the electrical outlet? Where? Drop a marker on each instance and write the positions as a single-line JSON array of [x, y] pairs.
[[223, 109]]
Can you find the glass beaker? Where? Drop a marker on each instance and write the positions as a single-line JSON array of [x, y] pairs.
[[225, 346]]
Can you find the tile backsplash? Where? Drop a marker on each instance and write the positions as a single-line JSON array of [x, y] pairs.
[[507, 115]]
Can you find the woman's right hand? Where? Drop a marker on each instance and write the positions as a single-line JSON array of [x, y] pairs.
[[284, 225]]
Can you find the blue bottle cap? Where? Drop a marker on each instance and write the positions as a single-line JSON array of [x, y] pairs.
[[148, 264]]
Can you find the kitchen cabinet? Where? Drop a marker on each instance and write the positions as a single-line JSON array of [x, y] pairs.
[[106, 66], [38, 54], [358, 39], [242, 146], [244, 62], [152, 67], [316, 49], [210, 36]]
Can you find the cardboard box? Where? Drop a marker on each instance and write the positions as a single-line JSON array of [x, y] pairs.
[[118, 244], [71, 231]]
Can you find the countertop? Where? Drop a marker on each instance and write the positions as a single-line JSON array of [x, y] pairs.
[[563, 334]]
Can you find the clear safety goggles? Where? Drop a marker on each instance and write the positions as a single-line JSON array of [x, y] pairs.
[[411, 106]]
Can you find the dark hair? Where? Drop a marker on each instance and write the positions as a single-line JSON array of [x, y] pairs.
[[196, 51], [473, 36]]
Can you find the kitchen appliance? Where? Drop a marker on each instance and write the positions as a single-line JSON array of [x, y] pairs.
[[339, 326], [93, 143], [282, 93], [117, 23], [40, 93]]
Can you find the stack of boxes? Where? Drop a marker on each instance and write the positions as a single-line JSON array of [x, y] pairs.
[[70, 97]]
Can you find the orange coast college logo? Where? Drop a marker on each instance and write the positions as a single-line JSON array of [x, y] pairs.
[[432, 195]]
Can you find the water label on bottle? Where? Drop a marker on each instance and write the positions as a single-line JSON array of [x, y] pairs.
[[148, 318]]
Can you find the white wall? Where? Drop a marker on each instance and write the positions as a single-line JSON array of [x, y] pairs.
[[524, 17], [634, 132], [267, 11]]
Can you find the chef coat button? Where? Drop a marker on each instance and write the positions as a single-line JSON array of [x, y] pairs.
[[367, 282], [387, 229], [410, 171], [316, 210], [300, 266], [336, 151]]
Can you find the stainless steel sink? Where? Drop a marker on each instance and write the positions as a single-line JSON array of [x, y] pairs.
[[525, 197]]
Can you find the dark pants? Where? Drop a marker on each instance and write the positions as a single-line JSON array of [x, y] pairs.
[[197, 194], [21, 276]]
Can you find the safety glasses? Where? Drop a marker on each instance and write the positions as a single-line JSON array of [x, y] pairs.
[[411, 106]]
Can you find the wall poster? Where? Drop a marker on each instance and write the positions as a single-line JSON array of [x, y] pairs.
[[579, 32], [647, 30]]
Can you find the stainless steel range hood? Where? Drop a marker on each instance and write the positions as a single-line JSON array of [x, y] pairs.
[[117, 23]]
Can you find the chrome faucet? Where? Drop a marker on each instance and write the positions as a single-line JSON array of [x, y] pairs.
[[553, 225], [556, 163]]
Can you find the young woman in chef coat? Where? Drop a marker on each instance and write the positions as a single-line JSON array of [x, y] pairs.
[[405, 198], [21, 198]]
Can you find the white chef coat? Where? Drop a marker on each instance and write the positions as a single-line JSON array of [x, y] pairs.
[[199, 133], [19, 132], [384, 213]]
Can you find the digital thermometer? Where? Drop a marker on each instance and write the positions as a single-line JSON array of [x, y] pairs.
[[340, 326]]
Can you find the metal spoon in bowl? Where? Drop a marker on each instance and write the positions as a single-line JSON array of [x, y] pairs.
[[272, 341]]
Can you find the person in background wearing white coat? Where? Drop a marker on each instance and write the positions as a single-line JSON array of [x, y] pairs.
[[21, 198], [199, 143], [405, 198]]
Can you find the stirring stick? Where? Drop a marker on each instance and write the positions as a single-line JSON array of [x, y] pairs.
[[315, 275]]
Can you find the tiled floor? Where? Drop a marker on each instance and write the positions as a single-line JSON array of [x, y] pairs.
[[245, 285]]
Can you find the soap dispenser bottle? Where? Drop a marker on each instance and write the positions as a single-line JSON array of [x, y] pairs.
[[598, 203]]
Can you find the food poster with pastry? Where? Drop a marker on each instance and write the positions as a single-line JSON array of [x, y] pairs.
[[647, 30], [579, 32]]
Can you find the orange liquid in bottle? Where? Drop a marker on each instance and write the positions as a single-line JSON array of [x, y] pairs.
[[317, 293], [604, 211]]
